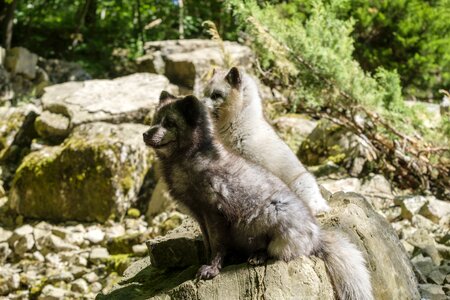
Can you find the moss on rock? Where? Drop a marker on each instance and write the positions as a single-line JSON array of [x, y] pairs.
[[97, 172]]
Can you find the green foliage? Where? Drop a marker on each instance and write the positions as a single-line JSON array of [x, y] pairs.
[[106, 35], [318, 62], [410, 36]]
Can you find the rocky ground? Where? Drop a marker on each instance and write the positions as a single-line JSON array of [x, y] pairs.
[[76, 178]]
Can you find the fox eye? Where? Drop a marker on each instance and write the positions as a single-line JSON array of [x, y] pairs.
[[168, 123], [216, 95]]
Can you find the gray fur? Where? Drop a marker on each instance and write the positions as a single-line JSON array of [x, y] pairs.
[[240, 206], [236, 106]]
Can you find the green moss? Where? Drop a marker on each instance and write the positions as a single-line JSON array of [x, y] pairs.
[[118, 263], [134, 213], [36, 289]]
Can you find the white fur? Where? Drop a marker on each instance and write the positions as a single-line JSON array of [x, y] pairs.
[[242, 127]]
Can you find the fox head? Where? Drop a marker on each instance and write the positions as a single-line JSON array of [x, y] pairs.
[[179, 125], [223, 94]]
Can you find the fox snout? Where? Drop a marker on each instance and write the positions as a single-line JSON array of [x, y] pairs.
[[149, 137]]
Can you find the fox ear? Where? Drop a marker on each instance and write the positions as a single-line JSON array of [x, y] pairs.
[[190, 108], [165, 96], [234, 77]]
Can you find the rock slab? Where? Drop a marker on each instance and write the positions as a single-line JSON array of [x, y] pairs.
[[94, 175], [304, 278]]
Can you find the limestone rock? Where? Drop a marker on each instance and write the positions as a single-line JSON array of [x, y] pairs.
[[432, 292], [294, 128], [6, 91], [80, 285], [160, 200], [331, 142], [410, 205], [304, 278], [98, 254], [95, 174], [124, 99], [185, 62], [5, 251], [49, 292], [62, 71], [16, 131], [52, 126], [437, 211], [21, 61]]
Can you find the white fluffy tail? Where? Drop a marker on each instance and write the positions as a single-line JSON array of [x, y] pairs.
[[346, 265]]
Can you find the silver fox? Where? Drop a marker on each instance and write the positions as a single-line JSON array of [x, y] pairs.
[[236, 106], [240, 206]]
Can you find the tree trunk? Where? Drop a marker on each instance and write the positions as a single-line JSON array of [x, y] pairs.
[[7, 24], [181, 17]]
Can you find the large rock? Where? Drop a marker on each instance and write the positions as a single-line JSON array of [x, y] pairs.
[[305, 278], [6, 91], [186, 62], [16, 134], [294, 128], [95, 174], [124, 99], [60, 71], [331, 142], [21, 61]]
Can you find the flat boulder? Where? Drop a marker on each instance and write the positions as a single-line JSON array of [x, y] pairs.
[[120, 100], [170, 270], [95, 174], [187, 62]]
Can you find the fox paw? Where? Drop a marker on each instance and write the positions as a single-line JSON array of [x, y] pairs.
[[257, 259], [207, 272]]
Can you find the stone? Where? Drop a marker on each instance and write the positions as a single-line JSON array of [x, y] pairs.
[[185, 62], [424, 265], [294, 128], [21, 61], [24, 244], [91, 277], [341, 185], [410, 205], [16, 134], [6, 90], [160, 200], [5, 252], [95, 287], [436, 210], [437, 276], [391, 271], [180, 248], [96, 174], [38, 256], [49, 292], [121, 100], [57, 244], [331, 142], [60, 71], [140, 250], [5, 234], [80, 285], [114, 231], [95, 235], [98, 254], [432, 292], [52, 126], [61, 276], [422, 240]]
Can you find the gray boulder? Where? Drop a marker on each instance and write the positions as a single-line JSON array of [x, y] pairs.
[[303, 278], [94, 175], [52, 126], [186, 62], [124, 99], [21, 61], [331, 142]]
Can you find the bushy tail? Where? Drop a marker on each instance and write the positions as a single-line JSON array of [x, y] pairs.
[[346, 265]]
